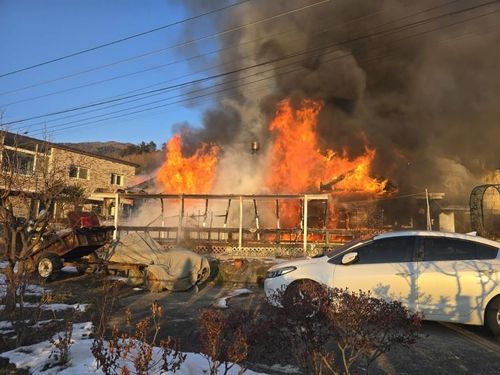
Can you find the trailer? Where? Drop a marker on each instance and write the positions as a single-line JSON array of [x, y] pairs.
[[69, 246]]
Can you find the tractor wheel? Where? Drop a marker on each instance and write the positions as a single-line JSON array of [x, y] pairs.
[[48, 265]]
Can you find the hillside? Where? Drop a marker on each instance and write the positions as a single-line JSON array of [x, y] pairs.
[[110, 148]]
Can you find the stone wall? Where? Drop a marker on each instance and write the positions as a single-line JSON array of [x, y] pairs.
[[99, 170]]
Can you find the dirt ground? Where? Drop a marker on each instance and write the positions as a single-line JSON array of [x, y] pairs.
[[445, 349]]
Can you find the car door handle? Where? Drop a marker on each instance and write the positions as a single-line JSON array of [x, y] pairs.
[[404, 274]]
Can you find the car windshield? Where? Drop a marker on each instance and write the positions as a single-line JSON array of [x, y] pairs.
[[341, 249]]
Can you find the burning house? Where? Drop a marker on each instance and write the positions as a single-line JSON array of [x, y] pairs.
[[371, 132]]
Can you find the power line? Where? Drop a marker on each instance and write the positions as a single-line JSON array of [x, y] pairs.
[[180, 85], [62, 127], [155, 68], [238, 44], [123, 39], [336, 44], [266, 37], [184, 94], [183, 44]]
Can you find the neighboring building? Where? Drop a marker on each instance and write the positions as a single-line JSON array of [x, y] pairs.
[[100, 176]]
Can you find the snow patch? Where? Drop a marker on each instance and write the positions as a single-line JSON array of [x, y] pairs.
[[80, 307], [221, 303], [81, 361], [31, 289], [70, 269], [118, 278], [5, 325]]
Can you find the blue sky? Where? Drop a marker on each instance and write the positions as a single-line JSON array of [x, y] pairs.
[[33, 31]]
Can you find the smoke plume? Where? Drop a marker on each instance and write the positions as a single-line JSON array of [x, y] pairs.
[[417, 81]]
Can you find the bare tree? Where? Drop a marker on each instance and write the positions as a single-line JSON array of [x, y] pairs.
[[31, 181]]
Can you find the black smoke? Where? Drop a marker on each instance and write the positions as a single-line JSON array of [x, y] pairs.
[[417, 81]]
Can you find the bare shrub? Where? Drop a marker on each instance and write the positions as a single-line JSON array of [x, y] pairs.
[[329, 331], [62, 345], [224, 338], [366, 327], [133, 352], [105, 301]]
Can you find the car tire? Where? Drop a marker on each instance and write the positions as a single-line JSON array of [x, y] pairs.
[[48, 265], [492, 316], [304, 298]]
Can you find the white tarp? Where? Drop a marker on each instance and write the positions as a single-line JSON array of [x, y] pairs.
[[176, 269]]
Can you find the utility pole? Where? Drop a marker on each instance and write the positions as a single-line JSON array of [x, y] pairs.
[[429, 223]]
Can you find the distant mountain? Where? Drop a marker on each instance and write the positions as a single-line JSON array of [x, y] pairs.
[[110, 148]]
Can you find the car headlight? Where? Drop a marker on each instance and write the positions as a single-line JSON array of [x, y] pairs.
[[279, 272]]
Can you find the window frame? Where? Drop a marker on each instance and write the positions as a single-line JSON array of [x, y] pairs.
[[115, 177], [78, 174], [15, 155]]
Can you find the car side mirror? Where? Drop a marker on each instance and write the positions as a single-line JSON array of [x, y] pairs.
[[350, 258]]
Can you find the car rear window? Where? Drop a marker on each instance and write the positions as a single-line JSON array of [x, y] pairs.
[[436, 249]]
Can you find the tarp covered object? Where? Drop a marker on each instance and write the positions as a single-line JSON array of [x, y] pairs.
[[176, 269]]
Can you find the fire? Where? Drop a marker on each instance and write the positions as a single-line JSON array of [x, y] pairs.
[[299, 166], [191, 175], [296, 164]]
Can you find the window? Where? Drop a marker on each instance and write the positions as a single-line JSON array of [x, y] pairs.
[[78, 172], [485, 251], [436, 249], [116, 179], [21, 162], [387, 250]]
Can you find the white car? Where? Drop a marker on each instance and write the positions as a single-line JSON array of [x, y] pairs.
[[447, 276]]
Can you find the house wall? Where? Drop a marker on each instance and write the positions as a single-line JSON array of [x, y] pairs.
[[99, 170]]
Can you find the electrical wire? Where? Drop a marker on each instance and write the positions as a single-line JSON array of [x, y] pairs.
[[123, 39], [336, 44], [191, 99], [183, 44], [236, 45]]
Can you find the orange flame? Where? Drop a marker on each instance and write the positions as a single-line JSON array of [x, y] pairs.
[[297, 163], [191, 175], [299, 166]]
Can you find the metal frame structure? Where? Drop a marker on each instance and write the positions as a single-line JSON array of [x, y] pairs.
[[476, 206], [181, 231]]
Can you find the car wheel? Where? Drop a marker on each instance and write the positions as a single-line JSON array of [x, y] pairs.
[[492, 316], [48, 265], [304, 298]]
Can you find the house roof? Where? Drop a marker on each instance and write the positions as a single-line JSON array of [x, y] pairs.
[[24, 141]]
